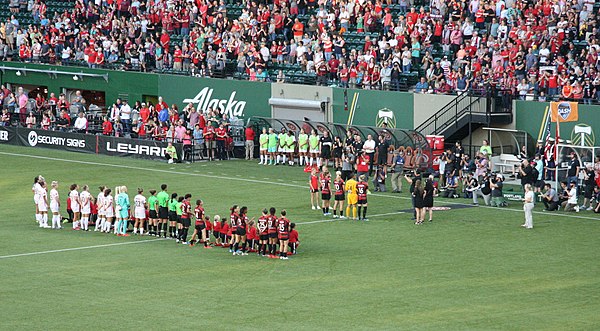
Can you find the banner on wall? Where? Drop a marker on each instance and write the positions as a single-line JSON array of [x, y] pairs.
[[7, 135], [564, 111], [75, 142], [146, 149]]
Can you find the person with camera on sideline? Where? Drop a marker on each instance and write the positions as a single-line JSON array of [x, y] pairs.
[[526, 173], [550, 198], [497, 183], [482, 189]]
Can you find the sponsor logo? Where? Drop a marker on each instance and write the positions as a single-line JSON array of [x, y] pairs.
[[583, 135], [292, 126], [204, 100], [135, 149], [3, 135], [385, 117], [33, 138], [564, 110]]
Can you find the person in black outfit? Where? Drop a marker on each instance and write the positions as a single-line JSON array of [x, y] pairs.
[[526, 173], [428, 198], [589, 183], [412, 181], [458, 151], [382, 151], [419, 196], [325, 149]]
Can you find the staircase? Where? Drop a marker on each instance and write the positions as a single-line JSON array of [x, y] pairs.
[[461, 116]]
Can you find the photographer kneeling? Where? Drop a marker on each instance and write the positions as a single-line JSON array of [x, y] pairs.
[[451, 186]]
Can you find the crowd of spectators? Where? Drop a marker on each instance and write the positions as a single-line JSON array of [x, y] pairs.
[[537, 48]]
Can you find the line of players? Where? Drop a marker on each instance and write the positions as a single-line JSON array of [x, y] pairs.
[[169, 215], [280, 148], [356, 192]]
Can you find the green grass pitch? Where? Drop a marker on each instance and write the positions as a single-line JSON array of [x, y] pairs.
[[472, 268]]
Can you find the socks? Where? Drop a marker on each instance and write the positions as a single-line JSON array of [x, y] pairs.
[[347, 210], [278, 158], [311, 161], [353, 212], [364, 212], [38, 217], [341, 213], [84, 223], [335, 212], [359, 209], [106, 227], [184, 234], [244, 247], [236, 246], [284, 158], [141, 230]]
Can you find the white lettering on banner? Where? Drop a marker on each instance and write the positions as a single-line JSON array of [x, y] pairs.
[[135, 149], [4, 135], [231, 107], [33, 138]]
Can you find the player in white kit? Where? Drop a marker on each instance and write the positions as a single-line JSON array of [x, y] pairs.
[[109, 210], [55, 205], [42, 203], [36, 188], [85, 198], [100, 206], [75, 205], [139, 212]]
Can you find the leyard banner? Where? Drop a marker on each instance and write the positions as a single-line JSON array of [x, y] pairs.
[[146, 149]]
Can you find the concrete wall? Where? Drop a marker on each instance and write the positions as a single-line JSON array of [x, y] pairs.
[[302, 92], [426, 105]]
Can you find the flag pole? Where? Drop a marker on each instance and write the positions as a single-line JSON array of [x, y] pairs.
[[556, 148], [544, 122]]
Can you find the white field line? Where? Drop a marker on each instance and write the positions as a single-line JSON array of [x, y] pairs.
[[78, 248], [271, 183], [347, 219]]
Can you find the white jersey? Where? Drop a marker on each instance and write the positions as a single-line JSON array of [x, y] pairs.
[[140, 206], [100, 203], [37, 189], [54, 201], [41, 201], [74, 195], [109, 206], [86, 199]]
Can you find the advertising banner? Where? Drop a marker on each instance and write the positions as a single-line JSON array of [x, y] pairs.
[[7, 135], [146, 149], [564, 111], [75, 142]]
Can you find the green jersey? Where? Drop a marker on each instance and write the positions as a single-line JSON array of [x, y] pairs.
[[163, 198], [272, 140], [152, 201], [263, 140], [290, 141], [302, 141], [178, 208], [282, 139], [172, 205], [314, 141]]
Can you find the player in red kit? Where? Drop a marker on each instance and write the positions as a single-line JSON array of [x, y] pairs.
[[233, 216], [272, 230], [186, 214], [240, 234], [313, 183], [263, 232], [251, 236], [200, 225], [283, 234], [340, 195], [325, 192], [362, 187]]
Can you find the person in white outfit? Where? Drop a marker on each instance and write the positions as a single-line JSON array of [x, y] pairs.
[[139, 212], [101, 209], [75, 206], [86, 201], [55, 205], [36, 189], [109, 210], [528, 204], [42, 204]]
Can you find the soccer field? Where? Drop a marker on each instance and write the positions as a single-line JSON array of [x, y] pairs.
[[471, 268]]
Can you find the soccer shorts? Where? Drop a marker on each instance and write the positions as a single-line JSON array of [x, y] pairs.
[[314, 190], [163, 213], [42, 205], [283, 237], [185, 221], [352, 199], [325, 196], [54, 207], [289, 150], [124, 213], [273, 235], [109, 213], [85, 210], [153, 214], [272, 149], [172, 216], [240, 232], [75, 207], [140, 213], [264, 236], [340, 197], [314, 151], [362, 201]]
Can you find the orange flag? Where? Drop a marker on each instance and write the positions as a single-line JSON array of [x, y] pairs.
[[564, 111]]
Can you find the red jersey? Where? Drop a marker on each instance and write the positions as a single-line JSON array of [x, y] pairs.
[[283, 226], [186, 209], [208, 225], [242, 220], [224, 228], [233, 220], [199, 213], [209, 133], [339, 187], [325, 183], [362, 188], [271, 224], [293, 236], [221, 133], [314, 182], [217, 227], [262, 225], [251, 233]]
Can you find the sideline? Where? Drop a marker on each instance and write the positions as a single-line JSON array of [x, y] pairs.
[[272, 183], [79, 248], [337, 219]]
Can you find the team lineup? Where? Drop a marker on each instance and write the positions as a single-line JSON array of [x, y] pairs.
[[170, 216]]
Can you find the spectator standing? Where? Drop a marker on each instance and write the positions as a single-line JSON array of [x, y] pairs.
[[369, 149], [126, 117], [528, 204], [250, 135]]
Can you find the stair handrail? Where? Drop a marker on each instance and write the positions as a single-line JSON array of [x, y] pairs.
[[453, 111]]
